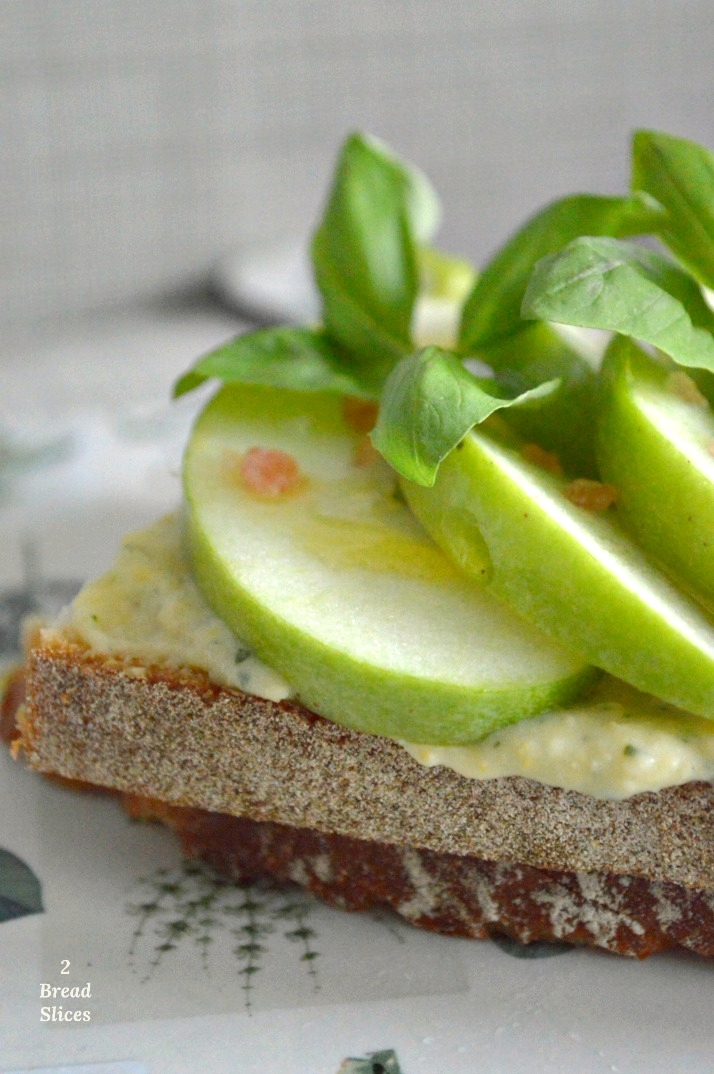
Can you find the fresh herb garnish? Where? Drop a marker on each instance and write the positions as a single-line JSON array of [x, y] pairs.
[[598, 280], [573, 263], [625, 288], [525, 355], [492, 311], [366, 257], [364, 253], [429, 404], [303, 359]]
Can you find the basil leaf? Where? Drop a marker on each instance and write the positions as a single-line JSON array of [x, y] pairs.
[[429, 403], [356, 330], [618, 286], [299, 358], [492, 311], [680, 175], [365, 251]]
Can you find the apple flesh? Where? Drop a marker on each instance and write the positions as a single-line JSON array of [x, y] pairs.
[[569, 570], [655, 443], [339, 588]]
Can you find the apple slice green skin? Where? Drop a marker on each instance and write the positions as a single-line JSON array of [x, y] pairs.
[[572, 572], [656, 448], [369, 648]]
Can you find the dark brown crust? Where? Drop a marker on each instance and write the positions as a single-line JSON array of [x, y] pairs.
[[181, 740], [460, 896]]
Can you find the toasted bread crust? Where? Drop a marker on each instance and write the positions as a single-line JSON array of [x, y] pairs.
[[447, 893], [175, 737]]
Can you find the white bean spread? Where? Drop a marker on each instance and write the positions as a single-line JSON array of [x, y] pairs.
[[615, 743], [148, 607]]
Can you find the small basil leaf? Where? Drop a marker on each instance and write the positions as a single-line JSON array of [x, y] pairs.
[[621, 287], [365, 249], [429, 403], [298, 358], [492, 311], [680, 175]]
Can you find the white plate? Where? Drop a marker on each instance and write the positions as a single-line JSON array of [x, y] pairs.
[[368, 983]]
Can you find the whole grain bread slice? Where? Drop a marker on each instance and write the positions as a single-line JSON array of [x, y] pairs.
[[174, 737]]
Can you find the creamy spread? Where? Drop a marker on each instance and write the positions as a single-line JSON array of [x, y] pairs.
[[147, 607], [612, 744]]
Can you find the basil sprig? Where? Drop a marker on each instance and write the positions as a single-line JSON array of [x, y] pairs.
[[574, 263], [365, 251], [429, 403], [615, 285], [525, 355], [492, 312], [365, 255], [634, 291]]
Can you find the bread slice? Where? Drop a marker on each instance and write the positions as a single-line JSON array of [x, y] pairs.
[[260, 788]]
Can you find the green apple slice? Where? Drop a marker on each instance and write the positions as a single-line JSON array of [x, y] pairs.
[[571, 571], [339, 588], [655, 443]]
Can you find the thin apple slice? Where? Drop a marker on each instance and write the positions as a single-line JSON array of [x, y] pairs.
[[338, 587], [656, 443], [570, 570]]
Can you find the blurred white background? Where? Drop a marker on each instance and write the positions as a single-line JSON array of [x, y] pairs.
[[141, 139]]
